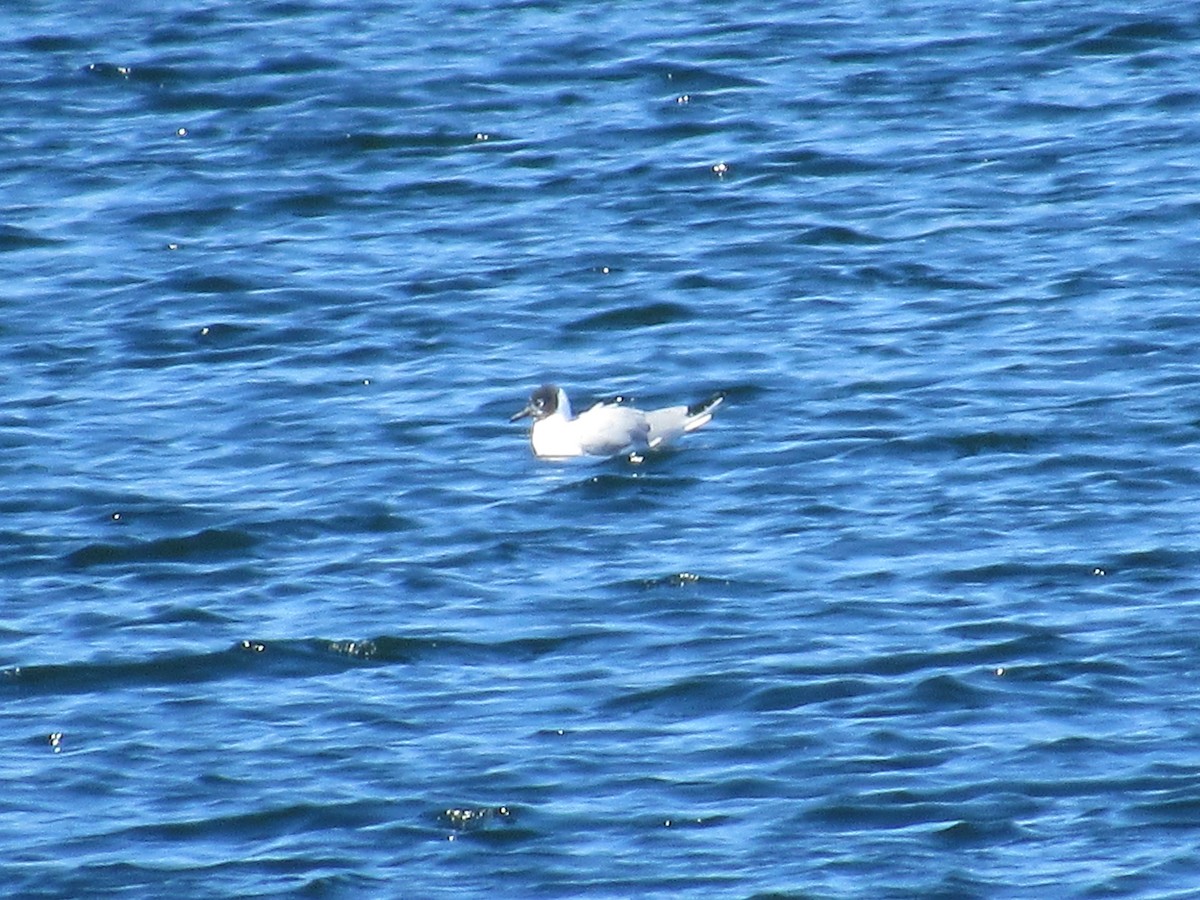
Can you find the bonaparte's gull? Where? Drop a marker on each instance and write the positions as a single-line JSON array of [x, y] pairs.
[[608, 428]]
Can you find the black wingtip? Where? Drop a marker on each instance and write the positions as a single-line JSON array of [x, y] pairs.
[[705, 405]]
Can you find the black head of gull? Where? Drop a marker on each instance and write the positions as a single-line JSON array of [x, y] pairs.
[[542, 403]]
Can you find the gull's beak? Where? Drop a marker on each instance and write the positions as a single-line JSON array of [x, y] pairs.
[[527, 411]]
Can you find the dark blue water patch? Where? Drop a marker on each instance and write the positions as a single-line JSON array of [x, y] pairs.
[[701, 281], [1009, 571], [1003, 630], [889, 809], [155, 346], [205, 545], [117, 510], [52, 43], [1132, 37], [176, 614], [1178, 100], [280, 659], [239, 342], [690, 77], [203, 210], [108, 70], [814, 692], [85, 678], [815, 163], [150, 76], [560, 58], [645, 315], [685, 699], [1171, 810], [198, 93], [1155, 879], [311, 201], [355, 519], [966, 446], [677, 580], [496, 827], [407, 143], [986, 830], [202, 879], [1040, 645], [14, 238], [836, 235], [456, 651], [247, 658], [948, 692], [191, 281], [444, 190], [626, 487], [673, 129], [475, 818], [263, 825], [297, 63], [918, 275]]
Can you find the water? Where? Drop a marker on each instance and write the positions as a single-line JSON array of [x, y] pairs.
[[289, 609]]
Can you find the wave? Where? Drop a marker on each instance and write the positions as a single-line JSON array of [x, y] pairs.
[[270, 659]]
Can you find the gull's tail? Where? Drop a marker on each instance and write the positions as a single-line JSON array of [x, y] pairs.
[[667, 424], [700, 414]]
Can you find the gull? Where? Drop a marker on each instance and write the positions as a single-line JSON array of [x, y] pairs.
[[609, 428]]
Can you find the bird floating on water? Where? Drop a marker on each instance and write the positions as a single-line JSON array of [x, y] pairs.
[[608, 428]]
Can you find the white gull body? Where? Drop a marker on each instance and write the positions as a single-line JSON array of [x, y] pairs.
[[608, 428]]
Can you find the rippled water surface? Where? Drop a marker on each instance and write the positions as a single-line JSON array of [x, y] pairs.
[[289, 606]]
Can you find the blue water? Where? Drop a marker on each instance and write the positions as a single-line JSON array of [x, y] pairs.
[[289, 608]]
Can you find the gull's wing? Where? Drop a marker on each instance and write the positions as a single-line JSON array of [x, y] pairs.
[[606, 430]]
